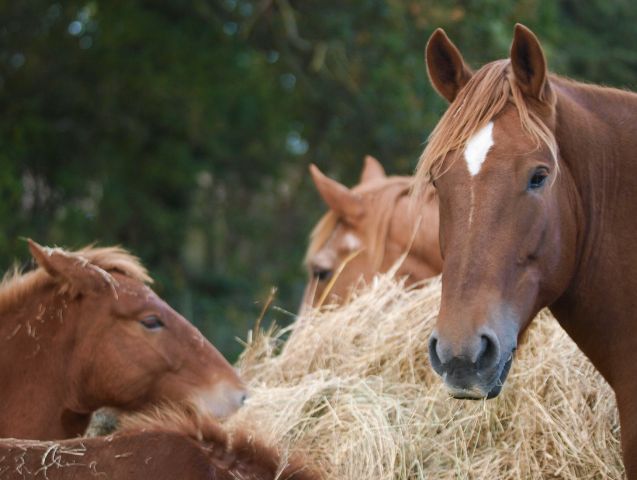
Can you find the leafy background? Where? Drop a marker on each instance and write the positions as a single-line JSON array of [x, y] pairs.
[[183, 129]]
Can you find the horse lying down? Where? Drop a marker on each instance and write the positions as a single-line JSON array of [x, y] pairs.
[[167, 443]]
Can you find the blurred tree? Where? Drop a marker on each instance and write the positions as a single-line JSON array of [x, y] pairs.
[[183, 129]]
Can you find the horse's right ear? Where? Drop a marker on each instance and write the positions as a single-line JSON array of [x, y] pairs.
[[447, 69], [337, 196], [372, 170], [79, 275]]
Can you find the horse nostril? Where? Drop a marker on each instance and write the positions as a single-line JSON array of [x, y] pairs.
[[434, 357], [489, 353], [243, 398]]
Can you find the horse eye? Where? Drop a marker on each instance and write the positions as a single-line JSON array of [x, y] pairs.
[[152, 322], [539, 177], [321, 274]]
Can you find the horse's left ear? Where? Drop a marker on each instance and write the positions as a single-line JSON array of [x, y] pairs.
[[528, 63], [372, 170], [78, 274]]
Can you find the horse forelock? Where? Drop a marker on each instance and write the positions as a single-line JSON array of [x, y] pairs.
[[17, 284], [487, 93], [380, 199], [321, 233], [115, 259]]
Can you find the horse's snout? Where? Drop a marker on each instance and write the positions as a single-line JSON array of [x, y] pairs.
[[223, 400], [469, 367], [238, 397]]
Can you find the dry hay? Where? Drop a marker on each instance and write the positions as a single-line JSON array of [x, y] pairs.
[[352, 389]]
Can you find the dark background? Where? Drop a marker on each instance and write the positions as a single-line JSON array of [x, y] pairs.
[[182, 130]]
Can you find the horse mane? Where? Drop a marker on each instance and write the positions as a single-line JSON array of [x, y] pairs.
[[114, 259], [380, 198], [16, 284], [184, 417], [239, 452], [486, 94]]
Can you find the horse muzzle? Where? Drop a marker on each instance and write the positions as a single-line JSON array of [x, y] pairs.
[[475, 368]]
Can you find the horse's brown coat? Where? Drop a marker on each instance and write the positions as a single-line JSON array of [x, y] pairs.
[[366, 231], [511, 249], [167, 442], [156, 455], [75, 336]]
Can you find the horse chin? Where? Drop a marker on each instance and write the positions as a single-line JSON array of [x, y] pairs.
[[504, 373], [492, 390], [466, 396]]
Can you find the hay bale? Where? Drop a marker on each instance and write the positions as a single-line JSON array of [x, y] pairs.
[[352, 389]]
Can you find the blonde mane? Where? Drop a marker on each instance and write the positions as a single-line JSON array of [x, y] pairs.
[[16, 285], [380, 201], [487, 93]]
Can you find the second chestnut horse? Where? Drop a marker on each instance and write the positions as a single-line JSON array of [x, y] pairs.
[[366, 231]]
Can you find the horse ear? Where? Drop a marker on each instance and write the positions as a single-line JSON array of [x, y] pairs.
[[80, 275], [338, 197], [372, 170], [447, 69], [528, 63]]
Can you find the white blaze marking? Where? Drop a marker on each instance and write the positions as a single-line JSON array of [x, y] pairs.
[[477, 148], [352, 242], [472, 207]]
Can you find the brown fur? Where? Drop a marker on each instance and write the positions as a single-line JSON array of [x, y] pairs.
[[73, 340], [167, 442], [511, 248], [157, 455], [237, 453], [384, 230]]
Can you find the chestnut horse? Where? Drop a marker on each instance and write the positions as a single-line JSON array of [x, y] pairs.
[[366, 231], [84, 331], [537, 180], [165, 446]]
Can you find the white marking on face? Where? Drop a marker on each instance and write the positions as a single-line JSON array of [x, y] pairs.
[[477, 149], [323, 260], [472, 205], [352, 242]]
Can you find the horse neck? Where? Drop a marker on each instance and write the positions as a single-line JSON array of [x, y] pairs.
[[597, 136], [38, 336]]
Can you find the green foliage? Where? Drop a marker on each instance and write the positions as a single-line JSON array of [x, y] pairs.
[[183, 130]]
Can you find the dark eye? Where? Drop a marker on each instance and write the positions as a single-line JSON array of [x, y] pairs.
[[538, 178], [321, 274], [152, 322]]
